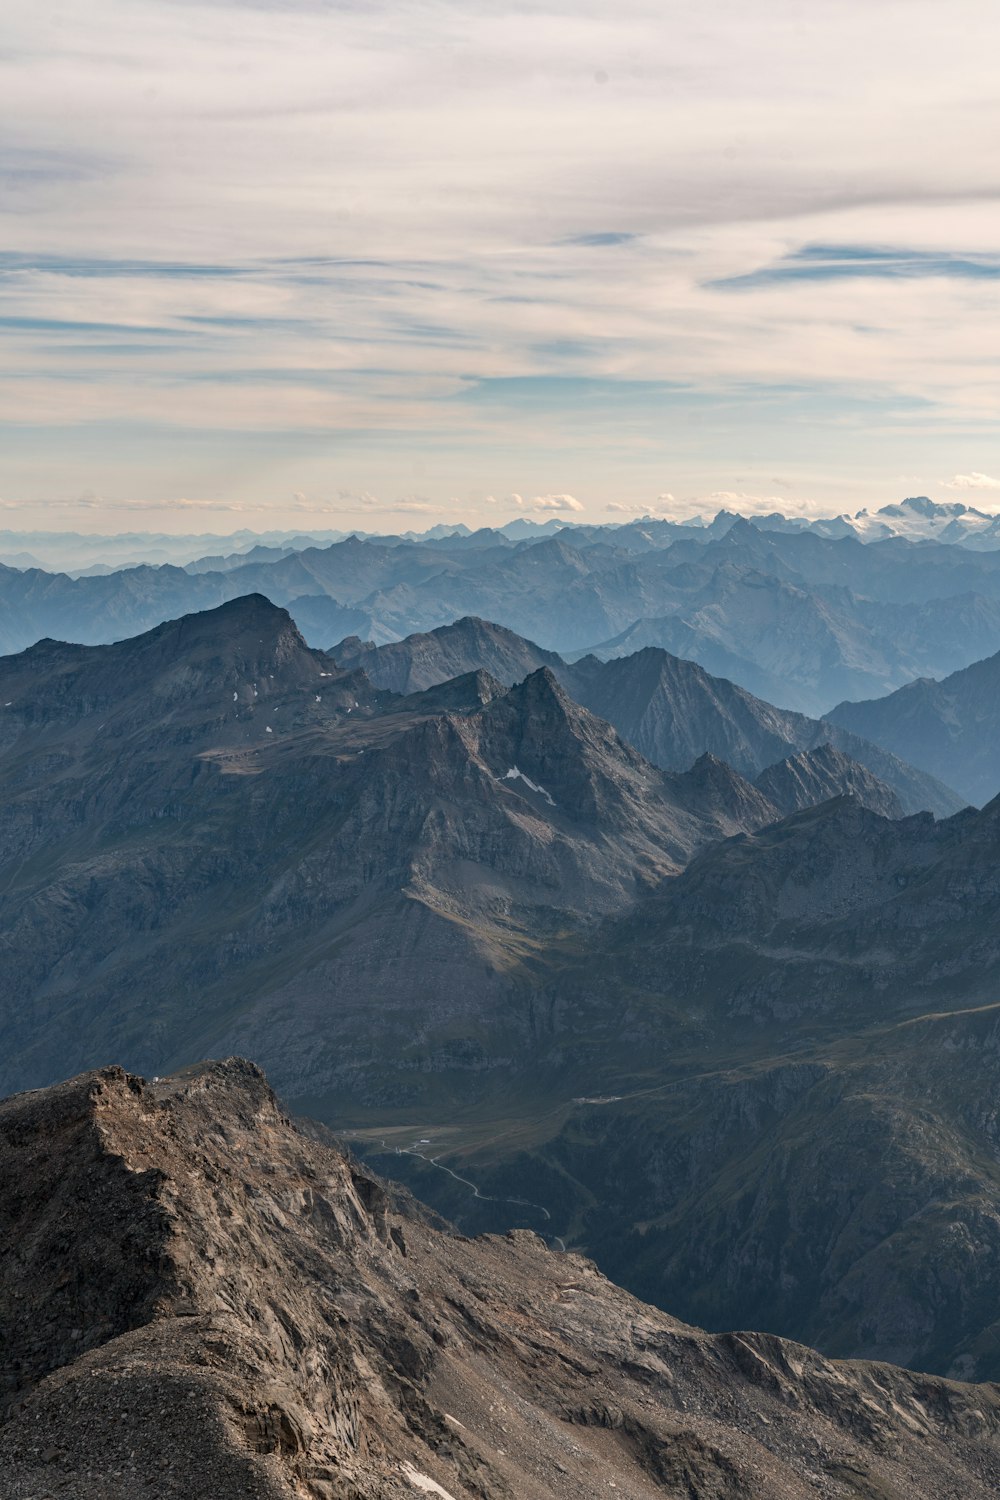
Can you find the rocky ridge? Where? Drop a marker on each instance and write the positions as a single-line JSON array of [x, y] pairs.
[[199, 1298], [815, 776]]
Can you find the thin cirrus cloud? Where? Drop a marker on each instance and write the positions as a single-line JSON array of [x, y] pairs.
[[253, 249], [840, 262]]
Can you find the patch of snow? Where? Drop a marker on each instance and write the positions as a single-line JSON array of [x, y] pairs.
[[268, 729], [516, 774], [425, 1484], [236, 697]]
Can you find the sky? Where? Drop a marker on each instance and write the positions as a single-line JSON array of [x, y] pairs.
[[299, 262]]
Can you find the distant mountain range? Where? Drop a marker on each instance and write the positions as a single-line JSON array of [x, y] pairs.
[[918, 519], [796, 616]]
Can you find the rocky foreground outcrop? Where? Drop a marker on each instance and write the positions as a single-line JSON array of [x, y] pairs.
[[199, 1299]]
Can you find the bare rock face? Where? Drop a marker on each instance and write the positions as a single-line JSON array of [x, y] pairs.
[[424, 660], [199, 1299], [814, 776]]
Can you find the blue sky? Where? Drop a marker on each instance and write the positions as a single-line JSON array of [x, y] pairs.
[[262, 263]]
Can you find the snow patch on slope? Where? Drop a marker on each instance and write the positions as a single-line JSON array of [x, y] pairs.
[[516, 774], [425, 1484]]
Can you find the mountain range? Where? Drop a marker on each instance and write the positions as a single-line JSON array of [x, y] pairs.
[[217, 791], [635, 1006], [671, 710], [766, 1092], [796, 616]]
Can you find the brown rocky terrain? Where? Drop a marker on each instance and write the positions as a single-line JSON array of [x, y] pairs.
[[199, 1299]]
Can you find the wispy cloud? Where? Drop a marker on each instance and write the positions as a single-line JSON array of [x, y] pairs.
[[843, 262], [664, 505]]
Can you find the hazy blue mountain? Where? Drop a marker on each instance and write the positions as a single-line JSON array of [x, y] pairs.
[[953, 723], [797, 618]]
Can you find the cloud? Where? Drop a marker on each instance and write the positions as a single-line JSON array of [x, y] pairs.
[[739, 500], [665, 506], [417, 505], [973, 481], [813, 263], [555, 503]]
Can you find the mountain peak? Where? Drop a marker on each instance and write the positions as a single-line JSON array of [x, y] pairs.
[[247, 634], [814, 776], [204, 666], [714, 790], [426, 658], [465, 694], [542, 692]]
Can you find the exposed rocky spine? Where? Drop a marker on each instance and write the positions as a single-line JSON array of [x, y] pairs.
[[198, 1299]]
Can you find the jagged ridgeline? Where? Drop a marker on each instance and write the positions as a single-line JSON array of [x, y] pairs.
[[205, 1300], [805, 615], [611, 950]]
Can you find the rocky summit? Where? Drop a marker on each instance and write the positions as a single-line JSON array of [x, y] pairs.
[[199, 1297]]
